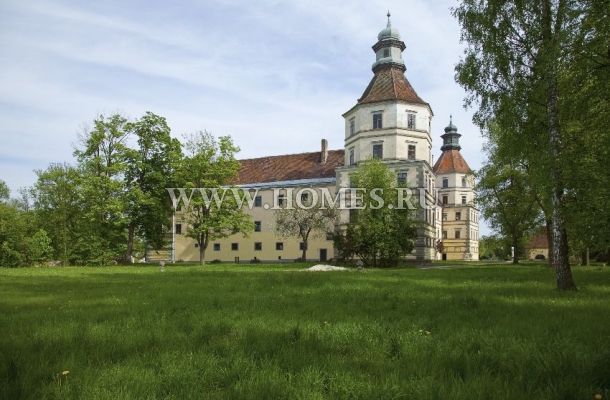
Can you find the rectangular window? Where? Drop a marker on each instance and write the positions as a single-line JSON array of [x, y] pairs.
[[378, 150], [444, 216], [464, 182], [258, 246], [463, 199], [216, 246], [458, 216], [352, 127], [304, 197], [444, 234], [279, 246], [352, 215], [257, 226], [178, 229], [457, 234], [445, 182], [402, 178], [258, 201], [301, 246], [330, 235], [377, 124], [411, 153], [411, 121], [234, 246], [445, 200], [351, 157]]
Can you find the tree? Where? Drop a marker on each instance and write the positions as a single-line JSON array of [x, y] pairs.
[[149, 170], [102, 161], [59, 206], [305, 217], [516, 55], [383, 231], [210, 168], [5, 193], [507, 202]]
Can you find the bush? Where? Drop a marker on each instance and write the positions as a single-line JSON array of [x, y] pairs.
[[216, 261]]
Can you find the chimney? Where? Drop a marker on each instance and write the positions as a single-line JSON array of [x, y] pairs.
[[324, 154]]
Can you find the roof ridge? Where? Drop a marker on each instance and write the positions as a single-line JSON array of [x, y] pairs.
[[289, 154]]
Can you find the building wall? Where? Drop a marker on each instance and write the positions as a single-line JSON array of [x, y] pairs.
[[186, 249]]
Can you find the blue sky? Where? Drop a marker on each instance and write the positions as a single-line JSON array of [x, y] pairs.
[[275, 75]]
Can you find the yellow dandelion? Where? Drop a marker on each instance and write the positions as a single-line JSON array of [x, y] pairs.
[[598, 397], [65, 372], [428, 333]]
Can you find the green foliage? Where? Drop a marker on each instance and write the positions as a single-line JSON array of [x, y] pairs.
[[210, 168], [508, 202], [382, 233], [481, 332], [5, 192]]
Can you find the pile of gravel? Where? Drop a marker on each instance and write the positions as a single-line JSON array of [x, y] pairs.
[[322, 267]]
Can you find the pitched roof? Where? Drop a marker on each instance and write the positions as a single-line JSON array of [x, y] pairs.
[[538, 241], [451, 161], [289, 167], [389, 84]]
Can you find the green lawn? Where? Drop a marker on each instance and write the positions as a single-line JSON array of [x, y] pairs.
[[276, 331]]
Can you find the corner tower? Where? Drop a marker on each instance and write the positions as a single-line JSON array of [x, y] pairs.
[[455, 184], [391, 122]]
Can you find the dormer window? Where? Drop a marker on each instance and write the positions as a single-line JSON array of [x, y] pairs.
[[377, 121]]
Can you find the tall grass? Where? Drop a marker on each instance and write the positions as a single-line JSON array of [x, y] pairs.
[[275, 331]]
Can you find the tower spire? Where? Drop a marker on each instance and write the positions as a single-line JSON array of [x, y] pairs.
[[389, 23]]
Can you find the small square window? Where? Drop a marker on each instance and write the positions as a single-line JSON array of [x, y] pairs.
[[279, 246], [234, 246], [411, 121], [386, 53], [401, 178], [196, 244], [258, 201], [304, 197], [377, 121], [258, 246], [411, 153], [257, 226], [302, 246], [216, 246], [458, 216], [178, 229], [330, 235], [378, 150]]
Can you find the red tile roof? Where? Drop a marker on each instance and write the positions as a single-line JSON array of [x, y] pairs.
[[451, 161], [538, 241], [289, 167], [389, 84]]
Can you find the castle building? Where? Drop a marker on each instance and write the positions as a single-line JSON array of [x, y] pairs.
[[390, 122]]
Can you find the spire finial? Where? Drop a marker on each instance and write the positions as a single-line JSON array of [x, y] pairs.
[[450, 119], [389, 23]]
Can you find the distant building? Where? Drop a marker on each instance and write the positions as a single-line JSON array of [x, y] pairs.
[[538, 246], [390, 122]]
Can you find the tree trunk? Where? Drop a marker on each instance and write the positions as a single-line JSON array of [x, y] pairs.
[[516, 250], [551, 29], [130, 239], [549, 239], [201, 254], [304, 253]]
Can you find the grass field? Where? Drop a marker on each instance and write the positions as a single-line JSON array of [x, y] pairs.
[[278, 332]]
